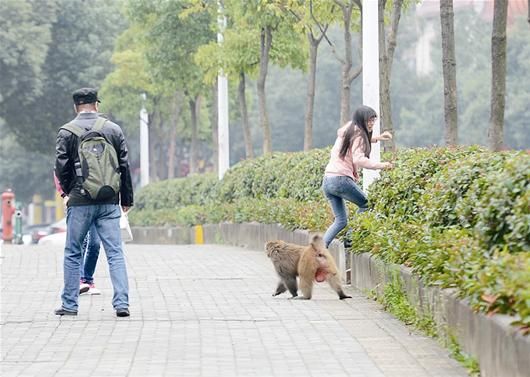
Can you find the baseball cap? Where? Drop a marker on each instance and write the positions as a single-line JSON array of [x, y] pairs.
[[85, 95]]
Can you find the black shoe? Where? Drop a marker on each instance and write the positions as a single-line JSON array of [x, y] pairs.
[[83, 288], [122, 312], [347, 240], [63, 311]]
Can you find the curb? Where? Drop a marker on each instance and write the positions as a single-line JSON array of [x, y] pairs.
[[499, 348]]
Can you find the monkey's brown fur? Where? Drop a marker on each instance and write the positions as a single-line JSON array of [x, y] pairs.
[[311, 262]]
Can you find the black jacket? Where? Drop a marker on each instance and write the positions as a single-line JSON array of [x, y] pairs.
[[66, 154]]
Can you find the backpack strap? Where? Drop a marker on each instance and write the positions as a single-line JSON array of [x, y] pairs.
[[99, 124], [74, 128]]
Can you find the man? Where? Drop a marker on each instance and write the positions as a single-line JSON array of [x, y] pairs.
[[85, 208]]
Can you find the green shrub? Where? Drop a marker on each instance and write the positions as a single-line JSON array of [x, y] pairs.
[[178, 192], [502, 211], [458, 217], [448, 190], [397, 192], [304, 174]]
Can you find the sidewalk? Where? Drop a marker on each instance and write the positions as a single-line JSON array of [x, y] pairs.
[[199, 311]]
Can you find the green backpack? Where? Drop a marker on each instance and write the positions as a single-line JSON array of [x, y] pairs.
[[97, 168]]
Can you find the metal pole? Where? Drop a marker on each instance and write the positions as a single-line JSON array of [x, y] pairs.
[[222, 104], [371, 78], [144, 145]]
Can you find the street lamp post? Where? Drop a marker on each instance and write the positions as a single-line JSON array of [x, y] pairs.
[[144, 144], [222, 104], [370, 37]]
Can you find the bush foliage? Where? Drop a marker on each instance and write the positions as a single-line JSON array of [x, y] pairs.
[[459, 217]]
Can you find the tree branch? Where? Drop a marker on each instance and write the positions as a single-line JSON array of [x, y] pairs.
[[354, 73], [392, 35], [322, 30]]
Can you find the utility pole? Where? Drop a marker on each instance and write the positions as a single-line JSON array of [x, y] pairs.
[[370, 37], [144, 144], [222, 104]]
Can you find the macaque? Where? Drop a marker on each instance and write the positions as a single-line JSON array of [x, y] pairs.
[[310, 263]]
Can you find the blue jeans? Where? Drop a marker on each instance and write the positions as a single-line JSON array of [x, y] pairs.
[[106, 219], [337, 189], [89, 255]]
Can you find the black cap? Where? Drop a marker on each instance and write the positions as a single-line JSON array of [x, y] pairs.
[[85, 95]]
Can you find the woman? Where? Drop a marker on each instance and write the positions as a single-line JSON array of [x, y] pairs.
[[350, 152], [89, 252]]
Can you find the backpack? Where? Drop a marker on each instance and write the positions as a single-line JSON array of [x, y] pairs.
[[96, 166]]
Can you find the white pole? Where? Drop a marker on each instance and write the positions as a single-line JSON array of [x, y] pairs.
[[144, 145], [222, 105], [371, 77]]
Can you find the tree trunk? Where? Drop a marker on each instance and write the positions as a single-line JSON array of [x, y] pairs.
[[449, 72], [155, 125], [194, 103], [310, 96], [345, 93], [498, 74], [386, 57], [214, 120], [175, 116], [247, 135], [265, 46]]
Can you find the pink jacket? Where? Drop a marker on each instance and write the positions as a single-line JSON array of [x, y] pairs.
[[353, 160], [57, 185]]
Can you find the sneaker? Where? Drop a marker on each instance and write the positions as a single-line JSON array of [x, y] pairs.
[[62, 311], [83, 288], [124, 312], [92, 290]]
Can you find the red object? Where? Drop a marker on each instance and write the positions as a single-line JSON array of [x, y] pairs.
[[8, 209]]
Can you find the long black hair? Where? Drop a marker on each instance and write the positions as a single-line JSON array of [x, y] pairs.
[[360, 119]]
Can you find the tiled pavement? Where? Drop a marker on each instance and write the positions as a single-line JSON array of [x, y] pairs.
[[198, 311]]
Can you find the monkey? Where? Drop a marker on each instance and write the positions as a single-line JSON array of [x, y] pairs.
[[310, 263]]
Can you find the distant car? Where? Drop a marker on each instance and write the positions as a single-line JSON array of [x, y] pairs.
[[38, 231], [58, 227], [44, 230], [55, 239]]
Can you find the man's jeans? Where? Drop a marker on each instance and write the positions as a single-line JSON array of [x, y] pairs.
[[89, 255], [106, 219], [336, 189]]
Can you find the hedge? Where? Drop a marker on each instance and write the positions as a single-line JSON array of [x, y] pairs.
[[459, 217]]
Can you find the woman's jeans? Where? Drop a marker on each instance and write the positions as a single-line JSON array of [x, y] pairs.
[[89, 255], [336, 189], [106, 219]]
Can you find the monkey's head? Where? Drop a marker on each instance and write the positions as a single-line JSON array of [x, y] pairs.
[[317, 242], [272, 246]]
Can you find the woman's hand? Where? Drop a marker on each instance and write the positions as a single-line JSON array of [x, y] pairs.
[[387, 165], [385, 136]]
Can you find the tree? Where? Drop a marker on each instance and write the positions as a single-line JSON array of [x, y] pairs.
[[498, 74], [313, 20], [237, 57], [349, 20], [25, 176], [49, 49], [25, 39], [175, 35], [449, 72], [266, 21], [386, 57]]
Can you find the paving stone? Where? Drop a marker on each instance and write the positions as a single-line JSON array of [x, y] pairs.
[[199, 311]]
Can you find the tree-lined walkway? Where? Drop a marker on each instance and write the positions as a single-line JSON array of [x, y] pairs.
[[198, 311]]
